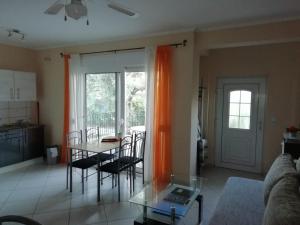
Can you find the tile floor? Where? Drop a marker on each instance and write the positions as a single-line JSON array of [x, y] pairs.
[[39, 192]]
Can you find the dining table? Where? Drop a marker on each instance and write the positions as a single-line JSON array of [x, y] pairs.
[[92, 148]]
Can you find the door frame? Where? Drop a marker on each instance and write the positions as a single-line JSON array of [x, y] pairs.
[[221, 81]]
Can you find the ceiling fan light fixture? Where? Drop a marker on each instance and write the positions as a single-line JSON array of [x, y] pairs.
[[76, 9]]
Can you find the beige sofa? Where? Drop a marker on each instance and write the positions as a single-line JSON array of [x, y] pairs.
[[274, 201]]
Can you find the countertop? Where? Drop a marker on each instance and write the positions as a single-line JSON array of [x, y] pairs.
[[15, 126]]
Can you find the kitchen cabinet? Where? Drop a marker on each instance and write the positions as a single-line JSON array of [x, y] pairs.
[[33, 142], [6, 85], [21, 144], [17, 86], [25, 86], [11, 147]]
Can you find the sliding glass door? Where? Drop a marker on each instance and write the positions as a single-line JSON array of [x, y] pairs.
[[135, 101], [101, 99], [116, 102]]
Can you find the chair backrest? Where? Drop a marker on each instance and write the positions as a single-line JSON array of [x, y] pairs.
[[139, 144], [125, 148], [92, 134], [74, 137]]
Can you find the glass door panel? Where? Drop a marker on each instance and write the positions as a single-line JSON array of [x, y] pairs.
[[101, 102], [135, 101]]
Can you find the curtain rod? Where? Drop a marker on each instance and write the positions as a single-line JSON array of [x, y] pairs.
[[183, 44]]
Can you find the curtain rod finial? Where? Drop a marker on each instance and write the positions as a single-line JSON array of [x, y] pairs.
[[184, 42], [61, 54]]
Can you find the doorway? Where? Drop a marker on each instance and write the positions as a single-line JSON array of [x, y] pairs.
[[239, 123]]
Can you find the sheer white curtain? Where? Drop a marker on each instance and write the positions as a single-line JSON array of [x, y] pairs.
[[150, 59], [77, 94]]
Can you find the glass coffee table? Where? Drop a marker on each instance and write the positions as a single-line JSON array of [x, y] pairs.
[[167, 203]]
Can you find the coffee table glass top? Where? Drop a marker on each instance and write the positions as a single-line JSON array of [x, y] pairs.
[[163, 197]]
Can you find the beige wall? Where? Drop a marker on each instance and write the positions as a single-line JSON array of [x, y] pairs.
[[15, 58], [184, 77], [280, 64], [270, 33]]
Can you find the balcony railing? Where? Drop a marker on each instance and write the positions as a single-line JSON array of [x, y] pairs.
[[106, 121]]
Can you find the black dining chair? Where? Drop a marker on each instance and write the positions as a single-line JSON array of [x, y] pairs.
[[139, 152], [92, 134], [138, 155], [80, 159], [120, 162]]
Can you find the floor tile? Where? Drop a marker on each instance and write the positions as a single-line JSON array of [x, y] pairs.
[[52, 205], [25, 194], [4, 196], [122, 210], [87, 200], [121, 222], [87, 215], [57, 218], [19, 207]]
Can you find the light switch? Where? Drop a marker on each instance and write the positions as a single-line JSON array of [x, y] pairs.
[[273, 120]]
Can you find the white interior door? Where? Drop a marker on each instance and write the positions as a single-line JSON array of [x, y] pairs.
[[239, 123]]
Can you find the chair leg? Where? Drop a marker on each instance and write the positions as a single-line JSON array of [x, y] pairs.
[[130, 179], [119, 189], [82, 180], [112, 181], [86, 174], [134, 172], [127, 174], [67, 177], [101, 174], [143, 173], [116, 178]]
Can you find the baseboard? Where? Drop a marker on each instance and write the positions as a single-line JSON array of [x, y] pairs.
[[20, 165]]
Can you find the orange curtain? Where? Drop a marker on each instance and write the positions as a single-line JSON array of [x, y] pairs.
[[66, 108], [162, 157]]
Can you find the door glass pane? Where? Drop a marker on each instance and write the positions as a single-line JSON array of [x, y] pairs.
[[235, 96], [234, 109], [233, 122], [245, 109], [239, 109], [245, 96], [135, 101], [101, 102], [244, 123]]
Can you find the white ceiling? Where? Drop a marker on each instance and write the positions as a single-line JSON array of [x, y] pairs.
[[156, 16]]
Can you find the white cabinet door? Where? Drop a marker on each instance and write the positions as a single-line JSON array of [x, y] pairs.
[[6, 85], [25, 86]]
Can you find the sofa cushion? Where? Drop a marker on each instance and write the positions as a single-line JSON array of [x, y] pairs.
[[284, 203], [241, 203], [282, 166]]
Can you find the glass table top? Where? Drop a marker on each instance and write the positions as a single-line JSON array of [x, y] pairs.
[[166, 197]]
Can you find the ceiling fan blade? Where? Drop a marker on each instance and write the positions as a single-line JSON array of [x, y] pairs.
[[121, 9], [55, 8]]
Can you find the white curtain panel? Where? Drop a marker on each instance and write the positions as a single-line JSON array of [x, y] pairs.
[[150, 60], [77, 94]]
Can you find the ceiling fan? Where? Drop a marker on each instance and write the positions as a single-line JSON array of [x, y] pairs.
[[77, 9]]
